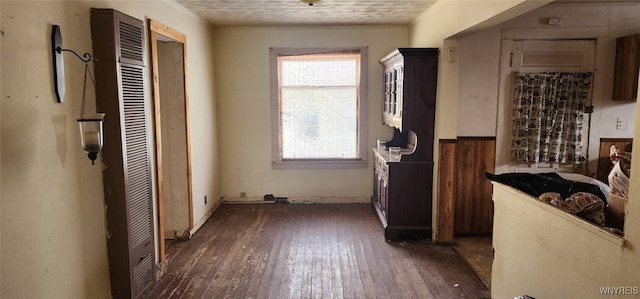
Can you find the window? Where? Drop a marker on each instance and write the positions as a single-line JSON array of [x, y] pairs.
[[548, 117], [318, 107]]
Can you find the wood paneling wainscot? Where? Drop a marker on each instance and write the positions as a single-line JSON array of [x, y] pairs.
[[474, 207], [604, 161], [465, 207], [446, 190]]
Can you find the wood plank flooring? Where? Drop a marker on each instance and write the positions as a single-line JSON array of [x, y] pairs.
[[478, 253], [309, 251]]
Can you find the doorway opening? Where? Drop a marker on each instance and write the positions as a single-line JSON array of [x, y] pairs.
[[173, 148]]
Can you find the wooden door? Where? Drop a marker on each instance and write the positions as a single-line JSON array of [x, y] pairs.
[[172, 133]]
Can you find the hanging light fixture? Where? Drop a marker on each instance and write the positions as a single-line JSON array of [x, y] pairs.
[[91, 134], [310, 2], [90, 124]]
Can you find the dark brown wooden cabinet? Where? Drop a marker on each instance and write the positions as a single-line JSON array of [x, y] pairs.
[[118, 41], [402, 194], [625, 78]]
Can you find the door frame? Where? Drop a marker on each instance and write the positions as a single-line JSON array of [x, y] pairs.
[[159, 32], [508, 63]]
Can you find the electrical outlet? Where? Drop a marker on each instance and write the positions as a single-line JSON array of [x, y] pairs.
[[622, 124], [554, 21], [243, 194], [205, 199]]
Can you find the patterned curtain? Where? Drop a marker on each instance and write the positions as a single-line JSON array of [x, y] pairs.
[[548, 113]]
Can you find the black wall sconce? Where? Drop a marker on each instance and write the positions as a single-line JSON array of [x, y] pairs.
[[90, 124]]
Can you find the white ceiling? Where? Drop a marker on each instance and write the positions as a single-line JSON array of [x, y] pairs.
[[293, 12], [325, 12]]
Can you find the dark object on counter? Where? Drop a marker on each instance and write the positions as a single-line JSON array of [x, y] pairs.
[[535, 184]]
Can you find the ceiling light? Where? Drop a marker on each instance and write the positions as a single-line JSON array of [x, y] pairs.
[[310, 2]]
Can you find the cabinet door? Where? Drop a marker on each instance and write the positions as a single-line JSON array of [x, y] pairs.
[[377, 190], [380, 177], [625, 78], [387, 94], [384, 196], [392, 102], [389, 97], [399, 70], [409, 193]]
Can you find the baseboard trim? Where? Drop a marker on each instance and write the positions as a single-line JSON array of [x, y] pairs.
[[205, 217], [161, 269], [172, 234], [299, 200]]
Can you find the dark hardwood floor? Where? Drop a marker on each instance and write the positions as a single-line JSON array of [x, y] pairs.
[[309, 251], [478, 253]]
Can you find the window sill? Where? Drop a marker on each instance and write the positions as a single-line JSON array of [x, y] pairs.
[[310, 164]]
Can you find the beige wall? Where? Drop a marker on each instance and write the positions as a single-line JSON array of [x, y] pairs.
[[201, 88], [480, 66], [546, 255], [538, 252], [632, 222], [452, 18], [543, 252], [552, 271], [1, 163], [52, 231], [242, 70], [479, 56], [440, 27], [52, 216]]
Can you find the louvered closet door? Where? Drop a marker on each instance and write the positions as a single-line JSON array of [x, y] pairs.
[[118, 43]]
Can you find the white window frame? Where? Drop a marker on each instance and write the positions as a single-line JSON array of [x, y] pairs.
[[276, 157]]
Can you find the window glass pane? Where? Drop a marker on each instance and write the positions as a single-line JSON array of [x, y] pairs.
[[319, 123], [318, 106], [334, 72]]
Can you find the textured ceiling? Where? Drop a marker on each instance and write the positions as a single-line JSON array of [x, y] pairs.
[[293, 12]]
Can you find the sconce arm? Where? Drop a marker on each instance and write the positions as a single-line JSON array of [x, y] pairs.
[[87, 56]]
